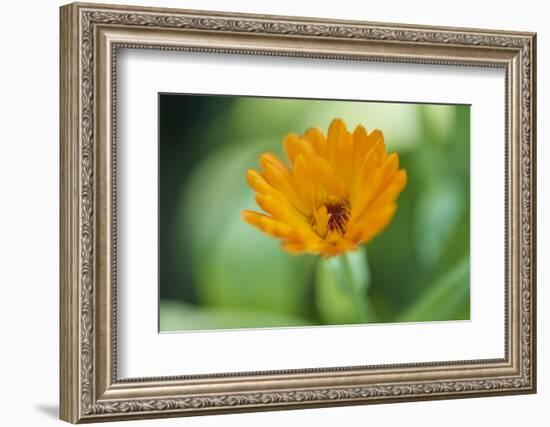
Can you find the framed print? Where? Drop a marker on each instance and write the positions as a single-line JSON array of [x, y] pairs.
[[264, 212]]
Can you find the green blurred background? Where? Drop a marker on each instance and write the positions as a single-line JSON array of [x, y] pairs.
[[217, 272]]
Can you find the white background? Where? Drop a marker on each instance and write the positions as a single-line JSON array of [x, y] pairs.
[[143, 352], [29, 171]]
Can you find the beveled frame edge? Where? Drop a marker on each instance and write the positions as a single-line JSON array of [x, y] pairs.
[[89, 36]]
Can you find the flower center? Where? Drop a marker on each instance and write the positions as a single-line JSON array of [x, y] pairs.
[[339, 214]]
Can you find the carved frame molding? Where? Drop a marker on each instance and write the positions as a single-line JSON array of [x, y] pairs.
[[90, 37]]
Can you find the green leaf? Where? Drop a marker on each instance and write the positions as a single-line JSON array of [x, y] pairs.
[[447, 299], [439, 209], [245, 269], [175, 316], [233, 265], [341, 285]]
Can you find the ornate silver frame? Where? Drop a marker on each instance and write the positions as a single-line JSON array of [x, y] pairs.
[[90, 36]]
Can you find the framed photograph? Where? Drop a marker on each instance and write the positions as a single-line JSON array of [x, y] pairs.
[[266, 212]]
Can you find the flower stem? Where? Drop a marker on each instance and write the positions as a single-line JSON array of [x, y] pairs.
[[357, 286]]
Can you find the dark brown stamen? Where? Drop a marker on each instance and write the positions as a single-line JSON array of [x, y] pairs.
[[339, 216]]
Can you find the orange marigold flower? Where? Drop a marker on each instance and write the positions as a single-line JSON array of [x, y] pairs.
[[339, 192]]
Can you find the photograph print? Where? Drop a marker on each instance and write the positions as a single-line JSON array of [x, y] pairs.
[[281, 212]]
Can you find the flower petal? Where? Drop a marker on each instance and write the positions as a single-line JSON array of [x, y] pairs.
[[283, 213], [362, 180], [268, 225], [272, 160], [303, 177], [344, 158], [283, 182], [258, 183], [372, 224], [374, 184], [390, 192], [321, 220], [324, 176], [317, 140], [295, 247], [336, 131], [296, 146], [378, 145], [360, 148]]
